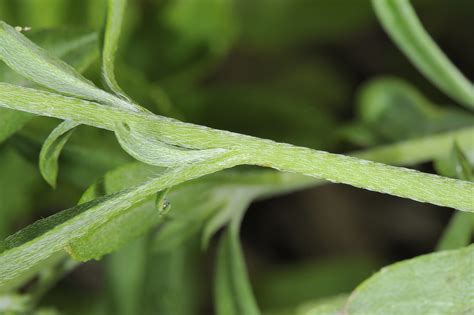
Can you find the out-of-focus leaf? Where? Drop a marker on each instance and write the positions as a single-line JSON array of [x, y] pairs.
[[232, 291], [173, 280], [48, 160], [458, 233], [213, 201], [438, 283], [234, 202], [209, 22], [11, 121], [401, 23], [279, 24], [96, 12], [290, 286], [126, 278], [53, 12], [36, 64], [394, 110]]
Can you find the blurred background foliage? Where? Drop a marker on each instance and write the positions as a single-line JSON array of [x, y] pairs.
[[316, 73]]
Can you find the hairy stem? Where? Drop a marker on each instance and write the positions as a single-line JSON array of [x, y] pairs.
[[250, 150]]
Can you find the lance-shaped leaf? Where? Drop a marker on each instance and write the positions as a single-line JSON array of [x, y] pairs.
[[115, 15], [24, 253], [48, 159], [401, 23], [77, 48], [232, 291], [439, 283], [43, 68]]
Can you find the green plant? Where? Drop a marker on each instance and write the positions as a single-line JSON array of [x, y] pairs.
[[176, 160]]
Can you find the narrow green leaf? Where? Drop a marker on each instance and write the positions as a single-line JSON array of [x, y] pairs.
[[38, 65], [439, 283], [22, 254], [77, 48], [136, 142], [401, 23], [115, 15], [49, 155], [286, 286], [232, 292]]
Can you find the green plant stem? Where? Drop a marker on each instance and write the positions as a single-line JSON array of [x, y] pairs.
[[249, 150], [373, 176]]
